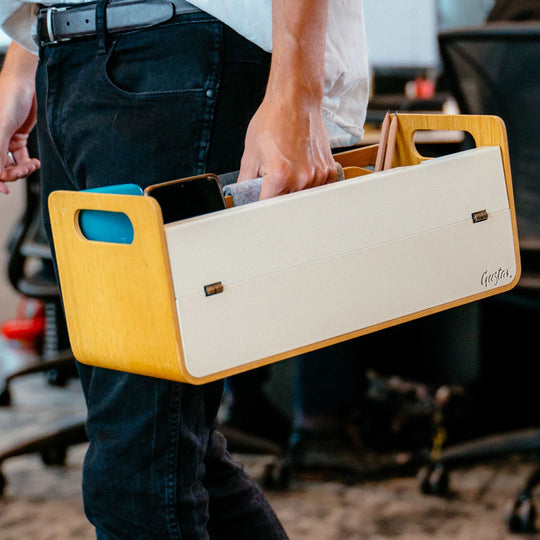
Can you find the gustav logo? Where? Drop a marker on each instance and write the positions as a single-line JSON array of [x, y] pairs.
[[492, 279]]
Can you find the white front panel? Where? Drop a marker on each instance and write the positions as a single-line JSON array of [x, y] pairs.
[[281, 312], [277, 234], [315, 265]]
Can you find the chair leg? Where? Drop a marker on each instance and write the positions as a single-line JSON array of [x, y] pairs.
[[52, 446], [55, 357], [521, 516], [61, 366], [433, 478]]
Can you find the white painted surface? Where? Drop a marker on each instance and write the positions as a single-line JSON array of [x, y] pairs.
[[314, 265]]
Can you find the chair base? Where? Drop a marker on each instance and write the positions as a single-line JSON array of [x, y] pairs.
[[51, 446], [434, 478]]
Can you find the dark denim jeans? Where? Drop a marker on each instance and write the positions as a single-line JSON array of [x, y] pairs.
[[159, 104]]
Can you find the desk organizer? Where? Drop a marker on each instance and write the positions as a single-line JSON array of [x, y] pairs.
[[226, 292]]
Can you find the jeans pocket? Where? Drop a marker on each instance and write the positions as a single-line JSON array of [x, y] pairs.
[[164, 61]]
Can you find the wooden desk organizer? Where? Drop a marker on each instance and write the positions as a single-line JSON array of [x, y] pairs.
[[222, 293]]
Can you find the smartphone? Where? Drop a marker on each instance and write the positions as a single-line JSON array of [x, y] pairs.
[[188, 197]]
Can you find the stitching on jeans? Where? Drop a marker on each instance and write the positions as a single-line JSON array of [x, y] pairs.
[[51, 122], [175, 418], [151, 94], [208, 114]]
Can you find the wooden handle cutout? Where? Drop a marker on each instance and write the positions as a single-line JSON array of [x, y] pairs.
[[105, 226]]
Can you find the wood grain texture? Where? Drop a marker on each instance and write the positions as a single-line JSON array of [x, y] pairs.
[[118, 298]]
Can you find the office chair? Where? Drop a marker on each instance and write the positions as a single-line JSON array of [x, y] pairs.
[[493, 69], [30, 272]]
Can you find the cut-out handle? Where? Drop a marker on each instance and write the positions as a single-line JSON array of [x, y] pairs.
[[485, 130], [105, 226], [446, 141]]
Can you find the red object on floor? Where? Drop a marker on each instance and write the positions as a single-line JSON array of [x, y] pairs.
[[25, 328]]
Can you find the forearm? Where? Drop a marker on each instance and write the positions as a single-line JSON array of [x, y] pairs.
[[299, 37], [19, 64], [17, 89], [286, 141]]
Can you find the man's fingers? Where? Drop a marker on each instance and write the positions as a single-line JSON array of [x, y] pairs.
[[267, 189], [279, 184], [20, 170], [18, 155], [247, 172], [334, 173]]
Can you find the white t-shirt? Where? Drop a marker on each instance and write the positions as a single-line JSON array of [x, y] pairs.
[[346, 86]]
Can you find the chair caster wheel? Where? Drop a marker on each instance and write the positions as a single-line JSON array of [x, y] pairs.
[[57, 377], [433, 480], [423, 479], [522, 516], [5, 397], [276, 475], [54, 455]]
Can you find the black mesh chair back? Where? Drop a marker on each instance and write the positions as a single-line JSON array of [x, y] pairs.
[[495, 69]]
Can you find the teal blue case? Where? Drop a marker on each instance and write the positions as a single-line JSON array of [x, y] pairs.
[[103, 226]]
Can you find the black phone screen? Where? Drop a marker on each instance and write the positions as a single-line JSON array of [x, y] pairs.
[[187, 198]]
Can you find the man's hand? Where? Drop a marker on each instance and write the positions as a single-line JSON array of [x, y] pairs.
[[17, 115], [286, 141], [15, 161], [288, 146]]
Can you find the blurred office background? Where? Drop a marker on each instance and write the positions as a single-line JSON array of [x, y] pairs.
[[402, 46], [404, 34]]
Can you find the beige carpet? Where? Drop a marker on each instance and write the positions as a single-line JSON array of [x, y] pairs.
[[44, 503]]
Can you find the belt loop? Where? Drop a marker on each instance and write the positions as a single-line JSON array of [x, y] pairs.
[[101, 25]]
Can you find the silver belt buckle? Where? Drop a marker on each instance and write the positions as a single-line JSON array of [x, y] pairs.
[[50, 32]]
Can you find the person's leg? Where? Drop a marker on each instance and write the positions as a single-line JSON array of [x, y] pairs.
[[329, 387], [251, 410], [329, 390], [144, 113], [235, 107], [238, 508]]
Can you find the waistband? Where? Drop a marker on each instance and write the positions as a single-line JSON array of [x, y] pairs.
[[58, 23]]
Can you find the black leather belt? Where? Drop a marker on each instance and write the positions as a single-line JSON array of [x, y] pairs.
[[56, 24]]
